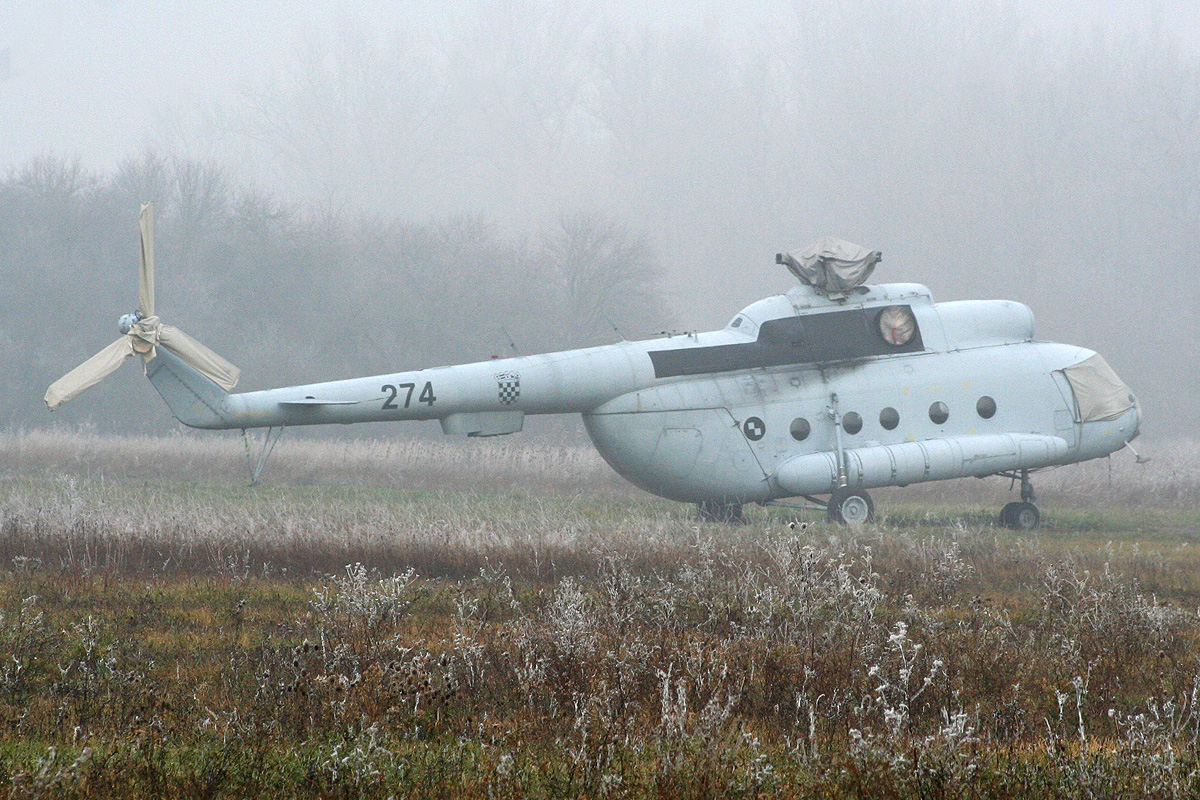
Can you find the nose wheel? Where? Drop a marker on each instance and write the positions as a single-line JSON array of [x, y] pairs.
[[1022, 516]]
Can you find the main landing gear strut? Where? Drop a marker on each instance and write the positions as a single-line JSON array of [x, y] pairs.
[[1022, 516], [845, 506]]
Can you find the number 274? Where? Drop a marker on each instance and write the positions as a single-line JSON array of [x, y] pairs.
[[393, 392]]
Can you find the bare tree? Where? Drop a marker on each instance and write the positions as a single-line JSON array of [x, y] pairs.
[[606, 275]]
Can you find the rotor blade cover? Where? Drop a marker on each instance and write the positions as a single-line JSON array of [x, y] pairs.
[[89, 373], [199, 357], [832, 265], [146, 270]]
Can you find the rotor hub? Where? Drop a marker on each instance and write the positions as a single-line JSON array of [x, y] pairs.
[[127, 321]]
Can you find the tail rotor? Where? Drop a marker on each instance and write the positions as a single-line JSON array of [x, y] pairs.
[[141, 333]]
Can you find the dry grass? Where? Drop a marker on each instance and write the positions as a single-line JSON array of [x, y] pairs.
[[447, 620], [409, 464]]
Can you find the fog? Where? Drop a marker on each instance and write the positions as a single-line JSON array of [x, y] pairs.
[[1043, 152]]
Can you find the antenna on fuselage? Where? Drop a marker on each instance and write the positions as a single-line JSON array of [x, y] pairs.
[[618, 331], [511, 343]]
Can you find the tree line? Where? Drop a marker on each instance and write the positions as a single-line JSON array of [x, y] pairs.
[[288, 293]]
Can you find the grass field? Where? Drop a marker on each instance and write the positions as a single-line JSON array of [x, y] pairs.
[[492, 619]]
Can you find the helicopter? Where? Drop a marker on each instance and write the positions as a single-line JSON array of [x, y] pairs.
[[826, 391]]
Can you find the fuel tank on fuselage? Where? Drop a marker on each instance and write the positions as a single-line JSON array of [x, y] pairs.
[[792, 374]]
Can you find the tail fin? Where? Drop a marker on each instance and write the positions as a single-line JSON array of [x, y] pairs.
[[194, 399]]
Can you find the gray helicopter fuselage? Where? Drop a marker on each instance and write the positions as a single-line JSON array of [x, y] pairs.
[[798, 395]]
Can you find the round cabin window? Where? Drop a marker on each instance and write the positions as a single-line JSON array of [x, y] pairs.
[[986, 407], [939, 412], [897, 325], [800, 429], [889, 418], [852, 422]]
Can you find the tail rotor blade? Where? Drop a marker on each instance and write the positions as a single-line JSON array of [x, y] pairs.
[[199, 357], [143, 334], [146, 273], [89, 373]]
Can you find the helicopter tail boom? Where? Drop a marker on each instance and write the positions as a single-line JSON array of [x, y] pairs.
[[488, 398]]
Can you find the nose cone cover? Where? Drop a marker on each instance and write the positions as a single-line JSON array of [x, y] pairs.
[[1101, 395]]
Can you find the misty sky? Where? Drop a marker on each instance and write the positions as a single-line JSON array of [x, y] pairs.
[[1043, 151], [102, 78]]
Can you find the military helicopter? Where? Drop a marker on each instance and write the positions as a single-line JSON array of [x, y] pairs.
[[831, 389]]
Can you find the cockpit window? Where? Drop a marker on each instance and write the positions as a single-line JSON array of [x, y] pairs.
[[743, 325]]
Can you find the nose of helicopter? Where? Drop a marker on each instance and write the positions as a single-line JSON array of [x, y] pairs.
[[1109, 411], [1099, 393]]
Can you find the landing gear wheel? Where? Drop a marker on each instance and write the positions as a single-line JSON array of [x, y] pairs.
[[720, 511], [1020, 516], [853, 507]]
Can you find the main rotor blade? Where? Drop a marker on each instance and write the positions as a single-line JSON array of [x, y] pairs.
[[146, 272], [89, 373], [199, 357]]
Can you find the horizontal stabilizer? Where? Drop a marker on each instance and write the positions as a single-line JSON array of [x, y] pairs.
[[312, 401]]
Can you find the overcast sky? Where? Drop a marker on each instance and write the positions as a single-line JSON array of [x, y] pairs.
[[103, 78], [1038, 150]]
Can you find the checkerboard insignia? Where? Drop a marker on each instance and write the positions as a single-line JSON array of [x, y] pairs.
[[509, 384], [754, 428]]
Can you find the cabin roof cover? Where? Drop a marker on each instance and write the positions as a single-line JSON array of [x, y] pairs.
[[832, 266]]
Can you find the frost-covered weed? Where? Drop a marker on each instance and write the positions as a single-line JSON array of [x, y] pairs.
[[53, 776], [623, 595], [22, 636], [901, 677], [945, 570], [94, 673], [364, 601], [810, 593], [568, 617], [1097, 618], [467, 636], [684, 735], [601, 730], [1155, 742], [358, 764]]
